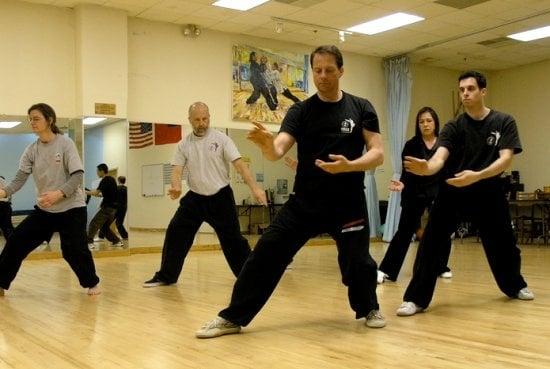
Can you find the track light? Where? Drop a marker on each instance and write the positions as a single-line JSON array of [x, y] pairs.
[[279, 27], [341, 36]]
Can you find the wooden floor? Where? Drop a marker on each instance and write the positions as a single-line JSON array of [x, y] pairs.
[[47, 320]]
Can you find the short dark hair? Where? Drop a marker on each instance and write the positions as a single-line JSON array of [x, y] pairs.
[[328, 49], [48, 113], [479, 77], [432, 112], [103, 167], [122, 179]]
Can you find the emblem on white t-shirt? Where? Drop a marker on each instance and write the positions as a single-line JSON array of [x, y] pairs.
[[493, 138], [347, 125], [214, 146], [57, 157]]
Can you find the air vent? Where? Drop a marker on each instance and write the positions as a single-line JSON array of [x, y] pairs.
[[460, 4], [499, 42], [300, 3]]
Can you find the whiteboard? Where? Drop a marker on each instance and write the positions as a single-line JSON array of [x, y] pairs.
[[152, 183]]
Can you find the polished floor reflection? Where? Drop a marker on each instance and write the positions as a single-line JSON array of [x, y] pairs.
[[48, 318]]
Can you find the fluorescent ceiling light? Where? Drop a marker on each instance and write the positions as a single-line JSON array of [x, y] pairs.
[[88, 121], [531, 35], [6, 124], [385, 23], [239, 4]]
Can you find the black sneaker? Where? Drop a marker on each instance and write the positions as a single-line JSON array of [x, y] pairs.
[[154, 282]]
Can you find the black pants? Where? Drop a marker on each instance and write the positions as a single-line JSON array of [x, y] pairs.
[[266, 93], [219, 211], [409, 222], [5, 219], [102, 220], [35, 229], [484, 202], [119, 221], [288, 94], [297, 221]]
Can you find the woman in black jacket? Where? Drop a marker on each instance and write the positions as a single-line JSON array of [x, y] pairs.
[[417, 195]]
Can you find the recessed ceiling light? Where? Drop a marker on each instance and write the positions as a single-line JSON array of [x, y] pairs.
[[385, 23], [531, 35], [9, 124], [88, 121], [239, 4]]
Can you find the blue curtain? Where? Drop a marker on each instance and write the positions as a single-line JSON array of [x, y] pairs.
[[372, 203], [398, 88]]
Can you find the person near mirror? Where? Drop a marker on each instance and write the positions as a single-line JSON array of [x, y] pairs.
[[417, 196], [105, 216], [57, 170], [331, 129], [122, 207], [6, 225], [475, 148], [206, 155]]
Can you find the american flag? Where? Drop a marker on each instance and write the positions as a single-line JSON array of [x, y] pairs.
[[141, 135]]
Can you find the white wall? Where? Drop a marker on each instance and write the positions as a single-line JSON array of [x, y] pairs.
[[114, 146], [523, 92], [38, 58]]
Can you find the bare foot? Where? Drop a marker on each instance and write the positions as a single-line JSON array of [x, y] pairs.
[[95, 290]]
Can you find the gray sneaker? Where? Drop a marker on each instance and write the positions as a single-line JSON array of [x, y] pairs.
[[217, 327], [408, 308], [525, 294], [375, 319]]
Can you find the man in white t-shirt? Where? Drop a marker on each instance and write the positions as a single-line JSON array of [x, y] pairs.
[[206, 155]]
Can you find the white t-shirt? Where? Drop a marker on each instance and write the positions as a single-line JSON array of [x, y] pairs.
[[207, 160]]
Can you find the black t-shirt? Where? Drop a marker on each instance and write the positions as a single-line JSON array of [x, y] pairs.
[[418, 186], [475, 144], [108, 190], [322, 128], [122, 197]]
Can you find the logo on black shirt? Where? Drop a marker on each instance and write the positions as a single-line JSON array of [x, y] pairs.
[[347, 125], [493, 138]]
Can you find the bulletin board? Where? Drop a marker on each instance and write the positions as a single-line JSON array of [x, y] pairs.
[[152, 183]]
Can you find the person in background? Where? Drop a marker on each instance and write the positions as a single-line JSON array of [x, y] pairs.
[[105, 216], [206, 155], [417, 196], [122, 207], [6, 225]]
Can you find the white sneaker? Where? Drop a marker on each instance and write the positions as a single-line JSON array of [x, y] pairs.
[[381, 276], [93, 246], [118, 244], [217, 327], [375, 319], [447, 275], [525, 294], [408, 308]]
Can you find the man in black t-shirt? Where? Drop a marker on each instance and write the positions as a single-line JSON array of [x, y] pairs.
[[332, 129], [105, 216], [475, 148]]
